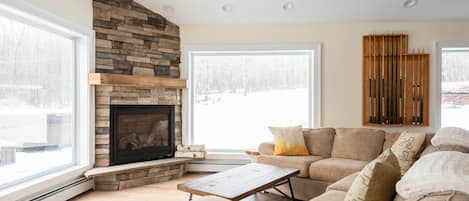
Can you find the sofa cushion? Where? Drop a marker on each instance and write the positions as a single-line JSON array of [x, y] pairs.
[[331, 196], [334, 169], [319, 141], [301, 163], [431, 149], [343, 184], [390, 139], [357, 143]]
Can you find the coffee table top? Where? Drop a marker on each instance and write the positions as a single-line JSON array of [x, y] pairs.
[[240, 182]]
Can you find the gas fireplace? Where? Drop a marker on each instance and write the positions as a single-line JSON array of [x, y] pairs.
[[141, 133]]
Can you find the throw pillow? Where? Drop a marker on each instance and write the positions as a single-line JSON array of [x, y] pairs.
[[442, 196], [406, 149], [377, 180], [436, 172], [289, 141], [451, 136]]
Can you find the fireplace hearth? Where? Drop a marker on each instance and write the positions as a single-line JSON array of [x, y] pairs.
[[141, 133]]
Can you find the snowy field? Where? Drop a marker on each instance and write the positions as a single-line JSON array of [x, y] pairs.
[[455, 106], [455, 117], [237, 122], [32, 163]]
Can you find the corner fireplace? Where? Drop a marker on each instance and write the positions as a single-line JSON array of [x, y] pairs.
[[141, 133]]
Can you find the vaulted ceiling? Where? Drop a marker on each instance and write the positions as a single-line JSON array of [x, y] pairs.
[[305, 11]]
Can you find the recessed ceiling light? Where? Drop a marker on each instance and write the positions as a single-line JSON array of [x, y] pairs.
[[288, 6], [227, 8], [168, 9], [410, 3]]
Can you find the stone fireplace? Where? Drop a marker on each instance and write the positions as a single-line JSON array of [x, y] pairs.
[[141, 133], [138, 110]]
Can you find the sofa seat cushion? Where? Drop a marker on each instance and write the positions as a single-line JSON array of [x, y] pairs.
[[334, 169], [301, 163], [343, 184], [357, 143], [331, 196]]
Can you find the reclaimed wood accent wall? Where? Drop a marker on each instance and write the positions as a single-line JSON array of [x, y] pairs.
[[134, 41], [395, 82]]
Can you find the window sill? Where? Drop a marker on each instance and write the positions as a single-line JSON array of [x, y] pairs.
[[226, 156], [41, 184]]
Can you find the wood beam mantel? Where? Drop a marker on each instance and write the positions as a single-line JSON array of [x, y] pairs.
[[133, 80]]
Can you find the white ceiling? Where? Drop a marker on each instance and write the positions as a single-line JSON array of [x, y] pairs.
[[184, 12]]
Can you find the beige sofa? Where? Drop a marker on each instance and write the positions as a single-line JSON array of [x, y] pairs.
[[337, 155]]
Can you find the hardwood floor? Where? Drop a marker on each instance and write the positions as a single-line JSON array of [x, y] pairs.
[[165, 191]]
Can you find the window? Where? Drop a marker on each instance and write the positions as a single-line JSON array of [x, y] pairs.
[[455, 86], [44, 98], [236, 95]]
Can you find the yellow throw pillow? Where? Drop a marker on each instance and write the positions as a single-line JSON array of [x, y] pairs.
[[377, 180], [406, 149], [289, 141]]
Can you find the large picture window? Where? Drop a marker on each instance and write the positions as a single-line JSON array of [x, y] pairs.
[[44, 100], [455, 86], [237, 95]]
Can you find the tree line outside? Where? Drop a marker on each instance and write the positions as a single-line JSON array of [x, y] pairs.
[[36, 67], [248, 74]]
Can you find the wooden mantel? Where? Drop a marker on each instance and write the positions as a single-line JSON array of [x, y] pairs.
[[133, 80]]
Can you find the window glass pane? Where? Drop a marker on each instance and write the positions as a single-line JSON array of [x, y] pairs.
[[455, 87], [36, 101], [237, 96]]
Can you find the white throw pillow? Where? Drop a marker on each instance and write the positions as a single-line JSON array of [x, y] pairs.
[[451, 136], [436, 172]]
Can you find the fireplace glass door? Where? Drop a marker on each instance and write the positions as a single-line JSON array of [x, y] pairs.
[[141, 133]]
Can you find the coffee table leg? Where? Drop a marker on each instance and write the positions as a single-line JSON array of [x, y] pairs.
[[190, 197], [291, 190]]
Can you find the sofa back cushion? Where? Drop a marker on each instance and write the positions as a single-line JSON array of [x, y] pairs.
[[319, 141], [357, 143], [390, 139]]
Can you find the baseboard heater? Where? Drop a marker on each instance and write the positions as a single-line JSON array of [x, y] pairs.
[[65, 192]]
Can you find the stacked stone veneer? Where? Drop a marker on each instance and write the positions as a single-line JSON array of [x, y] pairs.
[[134, 178], [133, 40]]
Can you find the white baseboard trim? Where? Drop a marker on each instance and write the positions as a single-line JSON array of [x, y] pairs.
[[199, 168], [215, 165], [66, 192]]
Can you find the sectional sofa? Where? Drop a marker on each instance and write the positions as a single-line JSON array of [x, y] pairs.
[[337, 155]]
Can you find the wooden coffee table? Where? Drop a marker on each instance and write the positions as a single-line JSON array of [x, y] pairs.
[[242, 182]]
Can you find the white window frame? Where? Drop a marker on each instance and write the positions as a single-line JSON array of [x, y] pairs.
[[83, 97], [187, 72], [437, 77]]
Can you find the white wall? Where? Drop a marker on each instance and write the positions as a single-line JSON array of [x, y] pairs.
[[76, 11], [341, 54]]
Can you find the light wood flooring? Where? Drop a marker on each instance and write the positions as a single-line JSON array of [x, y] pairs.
[[165, 191]]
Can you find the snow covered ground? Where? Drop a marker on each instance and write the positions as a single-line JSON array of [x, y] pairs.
[[455, 117], [31, 163], [235, 121]]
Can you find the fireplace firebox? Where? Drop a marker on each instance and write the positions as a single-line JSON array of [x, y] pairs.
[[141, 133]]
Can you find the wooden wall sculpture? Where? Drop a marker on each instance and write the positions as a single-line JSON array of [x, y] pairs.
[[395, 82]]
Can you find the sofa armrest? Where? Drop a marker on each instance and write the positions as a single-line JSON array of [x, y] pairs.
[[266, 148]]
